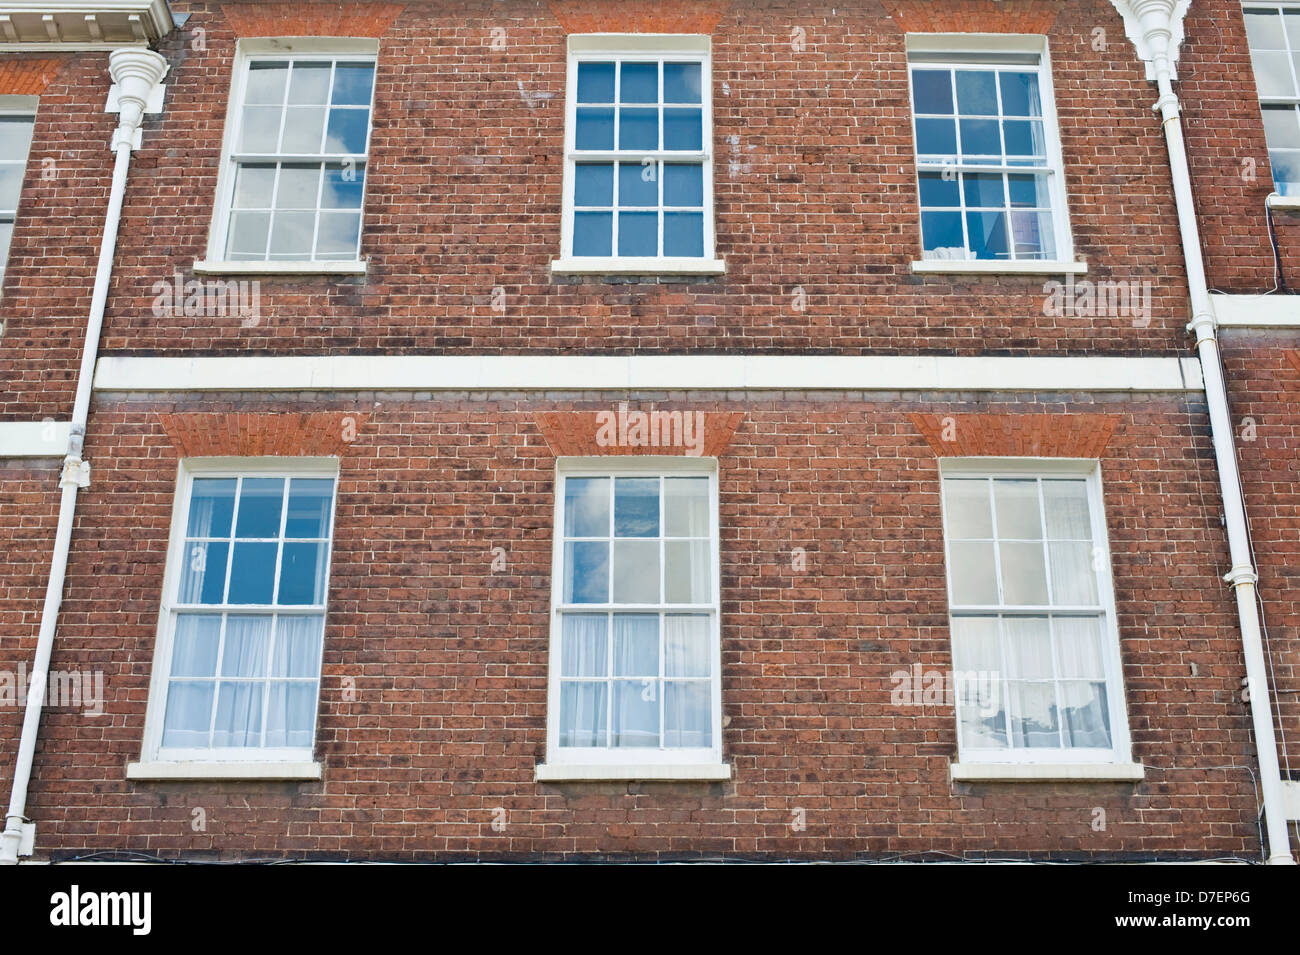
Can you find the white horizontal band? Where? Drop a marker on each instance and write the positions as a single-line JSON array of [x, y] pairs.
[[1256, 311], [33, 439], [647, 372], [1046, 772]]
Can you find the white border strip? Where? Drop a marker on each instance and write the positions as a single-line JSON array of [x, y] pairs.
[[646, 372], [34, 439], [1256, 311]]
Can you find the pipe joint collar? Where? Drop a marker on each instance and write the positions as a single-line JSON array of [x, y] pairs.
[[1241, 575]]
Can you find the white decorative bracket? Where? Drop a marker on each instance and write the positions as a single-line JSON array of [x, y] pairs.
[[1143, 18]]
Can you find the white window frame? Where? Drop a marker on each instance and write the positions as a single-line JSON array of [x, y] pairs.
[[930, 49], [270, 48], [593, 763], [1279, 199], [23, 107], [1120, 753], [235, 762], [644, 47]]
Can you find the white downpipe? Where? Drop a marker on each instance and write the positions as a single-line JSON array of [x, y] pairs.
[[1155, 18], [136, 72]]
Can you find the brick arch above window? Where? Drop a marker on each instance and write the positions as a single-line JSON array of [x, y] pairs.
[[1017, 435], [29, 77], [589, 433], [310, 19], [308, 434], [667, 16], [974, 16]]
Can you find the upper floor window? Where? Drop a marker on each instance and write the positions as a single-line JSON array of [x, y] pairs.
[[238, 665], [15, 141], [987, 152], [297, 144], [1034, 639], [638, 187], [1273, 31]]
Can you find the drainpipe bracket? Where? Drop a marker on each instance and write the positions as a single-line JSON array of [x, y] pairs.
[[1241, 575], [75, 471], [133, 139]]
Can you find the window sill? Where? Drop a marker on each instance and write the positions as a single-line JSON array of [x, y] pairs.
[[637, 266], [631, 772], [214, 267], [994, 267], [231, 770], [1284, 203], [1045, 772]]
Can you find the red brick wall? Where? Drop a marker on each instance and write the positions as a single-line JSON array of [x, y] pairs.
[[450, 658]]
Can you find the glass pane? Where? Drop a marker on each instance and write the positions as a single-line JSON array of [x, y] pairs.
[[686, 645], [337, 235], [1024, 578], [636, 644], [686, 715], [593, 184], [239, 715], [291, 714], [259, 507], [637, 185], [1020, 94], [983, 711], [686, 572], [966, 509], [941, 231], [586, 572], [638, 233], [595, 82], [248, 234], [189, 713], [636, 572], [984, 189], [1085, 715], [1286, 171], [932, 91], [684, 234], [936, 137], [593, 233], [1074, 582], [353, 83], [683, 184], [683, 82], [297, 646], [584, 644], [195, 645], [203, 572], [686, 506], [344, 186], [1078, 648], [248, 645], [973, 573], [1025, 141], [583, 711], [347, 131], [1033, 716], [1033, 235], [212, 502], [266, 82], [1017, 507], [586, 507], [979, 137], [639, 83], [938, 191], [15, 137], [1264, 30], [684, 129], [595, 128], [254, 186], [299, 186], [1028, 648], [6, 235], [302, 129], [638, 129], [260, 129], [1029, 191], [1273, 74], [309, 84], [310, 501], [636, 714], [292, 234], [11, 184], [976, 646], [977, 93], [302, 573], [252, 573], [1280, 127]]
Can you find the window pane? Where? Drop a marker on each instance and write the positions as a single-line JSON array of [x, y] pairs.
[[686, 506], [1029, 191], [302, 573], [636, 644], [248, 645], [292, 234], [586, 572], [942, 231], [189, 715], [291, 714], [938, 191], [239, 715], [1017, 506], [683, 82], [309, 84], [686, 645], [683, 184], [203, 572], [636, 507], [248, 234], [303, 126], [1074, 582], [977, 93], [254, 186], [684, 234], [593, 233], [583, 712], [344, 186], [594, 129], [260, 129], [1028, 648], [259, 507], [1033, 716], [973, 573], [684, 129], [195, 645], [686, 572], [636, 572], [347, 131], [1025, 141], [1286, 171], [299, 186], [1079, 648], [595, 82], [593, 184], [1020, 94], [1033, 235], [638, 129], [15, 137], [976, 646], [252, 573], [1067, 510], [1085, 715], [212, 502], [584, 645], [636, 714], [639, 83], [337, 235], [983, 710], [1264, 30], [637, 185], [11, 184], [586, 507], [638, 233], [297, 646], [932, 91], [1280, 127], [936, 137], [1273, 74], [966, 509], [310, 501], [686, 714], [979, 138], [353, 83], [266, 82], [984, 189], [1024, 580]]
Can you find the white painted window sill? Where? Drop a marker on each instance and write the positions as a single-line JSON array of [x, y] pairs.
[[996, 267], [1276, 201], [1046, 772], [215, 267], [228, 770], [637, 266], [596, 772]]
